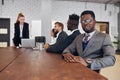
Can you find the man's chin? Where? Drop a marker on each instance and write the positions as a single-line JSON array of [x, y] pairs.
[[88, 31]]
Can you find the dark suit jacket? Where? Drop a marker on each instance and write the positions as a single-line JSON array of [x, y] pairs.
[[25, 33], [62, 36], [66, 42]]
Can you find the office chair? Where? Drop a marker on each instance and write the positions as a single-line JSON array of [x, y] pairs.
[[40, 39], [39, 42]]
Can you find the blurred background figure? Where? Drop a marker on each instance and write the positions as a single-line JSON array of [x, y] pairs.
[[60, 36], [72, 25], [21, 30]]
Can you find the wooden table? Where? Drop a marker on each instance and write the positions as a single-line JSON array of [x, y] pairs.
[[7, 55], [39, 65]]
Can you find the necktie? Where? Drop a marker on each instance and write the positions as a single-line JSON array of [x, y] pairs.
[[85, 41], [86, 38]]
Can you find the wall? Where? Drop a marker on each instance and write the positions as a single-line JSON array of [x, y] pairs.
[[62, 10], [119, 28], [49, 11], [46, 19], [11, 8]]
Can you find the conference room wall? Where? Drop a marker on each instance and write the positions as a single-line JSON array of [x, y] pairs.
[[32, 9], [49, 11], [62, 9]]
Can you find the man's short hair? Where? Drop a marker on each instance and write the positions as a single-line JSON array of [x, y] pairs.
[[75, 19], [88, 12], [60, 24]]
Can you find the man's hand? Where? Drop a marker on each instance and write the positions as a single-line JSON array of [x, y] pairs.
[[68, 57], [46, 45], [83, 62]]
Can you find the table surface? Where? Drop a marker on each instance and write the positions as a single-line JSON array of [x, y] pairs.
[[28, 64], [7, 55]]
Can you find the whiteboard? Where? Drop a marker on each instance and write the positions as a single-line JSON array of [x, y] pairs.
[[36, 28]]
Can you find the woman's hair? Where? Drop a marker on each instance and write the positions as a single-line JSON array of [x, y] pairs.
[[19, 15]]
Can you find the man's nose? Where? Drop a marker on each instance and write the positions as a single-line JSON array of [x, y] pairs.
[[85, 23]]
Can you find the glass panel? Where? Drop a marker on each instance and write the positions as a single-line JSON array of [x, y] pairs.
[[3, 31], [3, 44]]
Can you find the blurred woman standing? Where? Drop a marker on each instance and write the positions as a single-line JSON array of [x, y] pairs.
[[21, 30]]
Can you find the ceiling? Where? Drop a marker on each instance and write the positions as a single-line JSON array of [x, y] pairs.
[[97, 1]]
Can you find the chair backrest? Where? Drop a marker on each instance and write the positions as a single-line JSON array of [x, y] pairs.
[[40, 39]]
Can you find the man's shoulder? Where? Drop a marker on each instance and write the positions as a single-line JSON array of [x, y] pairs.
[[101, 34], [64, 33], [76, 32], [80, 36]]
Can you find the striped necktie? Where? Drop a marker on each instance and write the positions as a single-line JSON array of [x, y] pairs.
[[86, 38]]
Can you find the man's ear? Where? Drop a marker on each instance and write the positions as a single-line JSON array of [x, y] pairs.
[[60, 28], [94, 21]]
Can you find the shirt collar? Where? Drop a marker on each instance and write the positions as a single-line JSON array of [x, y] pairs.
[[74, 30], [58, 33], [90, 34]]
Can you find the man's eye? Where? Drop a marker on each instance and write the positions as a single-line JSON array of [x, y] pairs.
[[83, 21], [88, 20]]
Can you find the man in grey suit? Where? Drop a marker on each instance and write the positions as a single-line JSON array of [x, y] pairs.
[[92, 49]]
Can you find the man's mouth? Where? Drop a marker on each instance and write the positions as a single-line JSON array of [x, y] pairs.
[[87, 27]]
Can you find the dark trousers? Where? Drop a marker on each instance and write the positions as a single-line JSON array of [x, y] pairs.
[[17, 41]]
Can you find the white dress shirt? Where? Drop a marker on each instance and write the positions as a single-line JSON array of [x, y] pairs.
[[21, 29], [90, 35], [55, 39]]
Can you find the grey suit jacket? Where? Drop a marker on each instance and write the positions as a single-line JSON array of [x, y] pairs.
[[99, 49]]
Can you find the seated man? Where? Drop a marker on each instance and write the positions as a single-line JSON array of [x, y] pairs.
[[61, 36], [92, 49], [72, 25]]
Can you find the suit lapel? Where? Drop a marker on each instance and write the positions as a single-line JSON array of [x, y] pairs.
[[91, 42], [23, 29], [18, 28], [80, 45]]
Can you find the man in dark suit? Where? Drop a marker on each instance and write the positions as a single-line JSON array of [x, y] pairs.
[[72, 25], [61, 36]]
